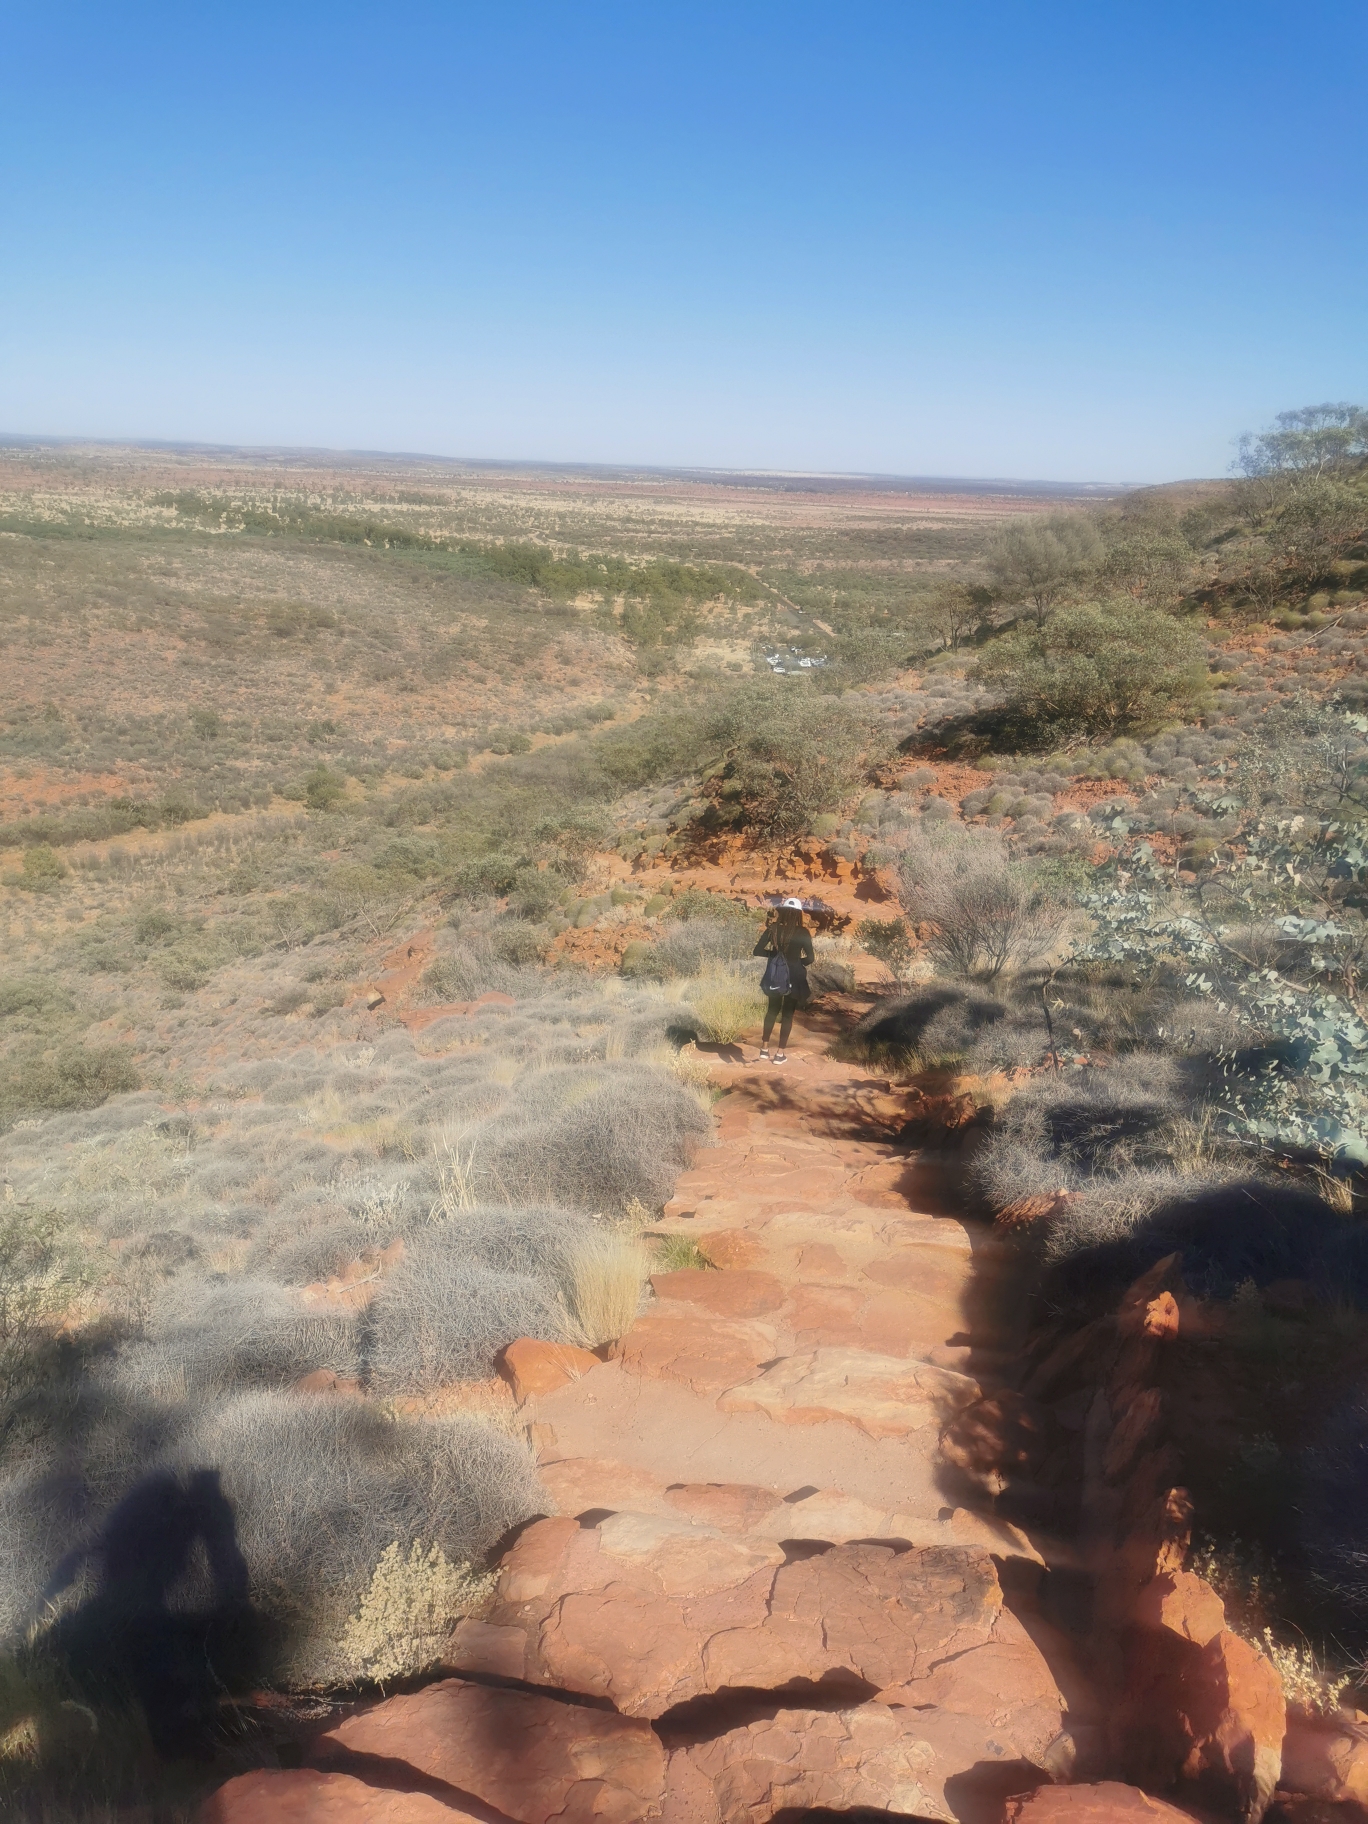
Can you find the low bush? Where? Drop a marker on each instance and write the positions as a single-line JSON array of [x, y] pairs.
[[74, 1076], [1332, 1496], [322, 1488], [607, 1273], [440, 1318], [407, 1614], [205, 1337], [984, 910], [693, 948], [42, 869], [591, 1137], [935, 1025], [889, 942], [1226, 1228]]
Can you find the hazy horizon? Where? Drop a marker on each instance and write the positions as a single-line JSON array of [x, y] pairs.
[[305, 454]]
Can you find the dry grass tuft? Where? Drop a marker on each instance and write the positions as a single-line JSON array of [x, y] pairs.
[[726, 1005], [607, 1272]]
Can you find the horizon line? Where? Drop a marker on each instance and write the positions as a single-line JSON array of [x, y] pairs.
[[877, 479]]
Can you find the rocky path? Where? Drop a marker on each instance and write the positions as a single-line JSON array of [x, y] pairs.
[[764, 1590]]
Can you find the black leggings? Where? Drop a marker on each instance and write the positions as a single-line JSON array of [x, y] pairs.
[[787, 1004]]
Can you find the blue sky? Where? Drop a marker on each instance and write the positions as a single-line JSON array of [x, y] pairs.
[[1054, 241]]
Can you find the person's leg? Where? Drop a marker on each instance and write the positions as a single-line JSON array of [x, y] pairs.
[[790, 1004], [771, 1014]]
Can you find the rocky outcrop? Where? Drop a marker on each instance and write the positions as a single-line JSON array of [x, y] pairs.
[[1108, 1802], [1197, 1708], [304, 1795], [654, 1615], [1326, 1758], [526, 1757]]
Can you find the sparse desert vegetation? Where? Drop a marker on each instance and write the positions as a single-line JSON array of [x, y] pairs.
[[374, 862]]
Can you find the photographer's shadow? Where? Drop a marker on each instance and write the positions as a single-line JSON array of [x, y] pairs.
[[171, 1621]]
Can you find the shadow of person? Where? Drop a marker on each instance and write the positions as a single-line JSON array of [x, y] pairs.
[[170, 1621]]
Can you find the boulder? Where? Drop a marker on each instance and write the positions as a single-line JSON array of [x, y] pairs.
[[883, 1395], [1181, 1603], [305, 1795], [1326, 1757], [1236, 1717], [531, 1367], [528, 1757], [1108, 1802]]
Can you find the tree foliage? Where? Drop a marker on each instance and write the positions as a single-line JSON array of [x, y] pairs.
[[1097, 669], [1305, 443], [1036, 561]]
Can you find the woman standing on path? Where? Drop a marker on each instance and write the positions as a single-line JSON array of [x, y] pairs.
[[787, 942]]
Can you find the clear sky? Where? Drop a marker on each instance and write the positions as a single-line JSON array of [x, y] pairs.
[[1055, 241]]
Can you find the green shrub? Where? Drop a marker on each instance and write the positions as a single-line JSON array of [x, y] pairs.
[[790, 756], [75, 1076], [1097, 670], [323, 789], [889, 942], [43, 869]]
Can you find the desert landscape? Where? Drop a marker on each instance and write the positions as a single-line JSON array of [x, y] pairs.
[[448, 1370]]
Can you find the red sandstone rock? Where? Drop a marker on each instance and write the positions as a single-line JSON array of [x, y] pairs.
[[579, 1484], [303, 1795], [996, 1439], [531, 1367], [1135, 1431], [732, 1507], [731, 1248], [882, 1395], [1302, 1808], [532, 1758], [650, 1612], [868, 1757], [709, 1354], [1183, 1604], [1103, 1803], [1236, 1718], [1326, 1757], [735, 1293], [1027, 1210]]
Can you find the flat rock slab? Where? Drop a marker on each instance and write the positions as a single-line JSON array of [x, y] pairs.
[[304, 1795], [660, 1429], [650, 1611], [529, 1757], [588, 1485], [923, 1764], [884, 1395], [677, 1342]]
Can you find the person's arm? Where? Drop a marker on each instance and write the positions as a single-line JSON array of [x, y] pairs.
[[766, 945], [807, 953]]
